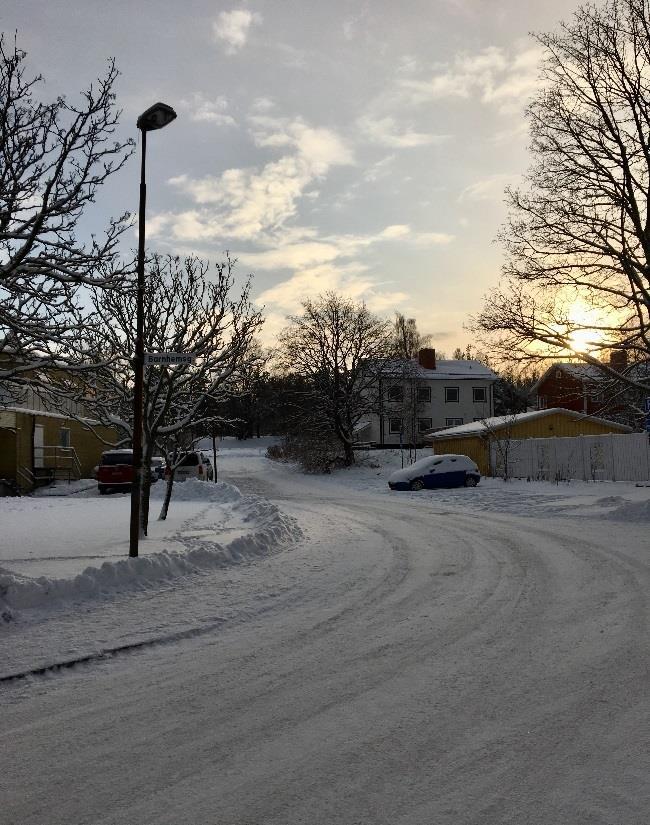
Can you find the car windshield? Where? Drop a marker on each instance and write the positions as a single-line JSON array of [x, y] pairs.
[[423, 463], [111, 459], [190, 460]]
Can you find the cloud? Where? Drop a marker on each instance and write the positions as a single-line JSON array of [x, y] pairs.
[[351, 280], [250, 203], [209, 111], [379, 170], [492, 76], [232, 28], [487, 189], [262, 105], [386, 132], [311, 250]]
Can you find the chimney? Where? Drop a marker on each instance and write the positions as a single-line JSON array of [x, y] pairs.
[[427, 358], [618, 359]]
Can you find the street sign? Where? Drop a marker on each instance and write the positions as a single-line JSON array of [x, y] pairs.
[[166, 359]]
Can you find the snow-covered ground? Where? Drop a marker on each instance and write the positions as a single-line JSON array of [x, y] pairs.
[[301, 649]]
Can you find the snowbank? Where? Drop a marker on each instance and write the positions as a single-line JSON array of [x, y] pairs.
[[262, 529], [630, 511], [195, 490]]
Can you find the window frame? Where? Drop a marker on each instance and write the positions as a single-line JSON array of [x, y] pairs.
[[479, 400], [427, 394], [457, 422], [429, 426], [395, 388], [450, 400], [392, 431]]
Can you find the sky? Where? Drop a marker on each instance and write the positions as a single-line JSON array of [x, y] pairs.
[[361, 147]]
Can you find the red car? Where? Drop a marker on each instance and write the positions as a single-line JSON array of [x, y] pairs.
[[115, 471]]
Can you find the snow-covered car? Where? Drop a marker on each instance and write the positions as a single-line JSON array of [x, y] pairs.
[[436, 471], [194, 465]]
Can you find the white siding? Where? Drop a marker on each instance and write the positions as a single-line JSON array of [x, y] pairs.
[[438, 410]]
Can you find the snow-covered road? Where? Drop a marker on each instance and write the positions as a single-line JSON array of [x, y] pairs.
[[412, 660]]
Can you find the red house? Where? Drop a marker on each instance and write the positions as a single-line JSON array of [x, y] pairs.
[[586, 389], [570, 386]]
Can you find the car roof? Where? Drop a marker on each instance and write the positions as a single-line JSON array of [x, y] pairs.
[[435, 457]]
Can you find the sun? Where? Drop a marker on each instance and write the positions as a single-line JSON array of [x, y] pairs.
[[582, 341], [584, 324]]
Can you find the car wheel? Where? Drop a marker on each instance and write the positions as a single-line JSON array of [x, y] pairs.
[[417, 484], [102, 490], [471, 481]]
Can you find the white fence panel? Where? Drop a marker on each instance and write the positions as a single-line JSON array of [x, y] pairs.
[[612, 457]]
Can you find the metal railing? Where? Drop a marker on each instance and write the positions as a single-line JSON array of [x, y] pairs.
[[54, 462], [26, 480]]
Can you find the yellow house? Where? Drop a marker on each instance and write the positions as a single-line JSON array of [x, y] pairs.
[[37, 447], [474, 439]]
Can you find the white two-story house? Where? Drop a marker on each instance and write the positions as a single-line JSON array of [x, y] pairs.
[[424, 395]]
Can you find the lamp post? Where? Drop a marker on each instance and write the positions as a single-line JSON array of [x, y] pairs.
[[155, 117]]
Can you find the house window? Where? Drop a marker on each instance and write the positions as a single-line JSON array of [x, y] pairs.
[[453, 422], [395, 426], [424, 424], [479, 395], [452, 395], [558, 373], [64, 437], [542, 402], [395, 393], [424, 395]]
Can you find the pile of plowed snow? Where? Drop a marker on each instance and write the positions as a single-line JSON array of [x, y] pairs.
[[263, 530], [630, 511], [195, 490]]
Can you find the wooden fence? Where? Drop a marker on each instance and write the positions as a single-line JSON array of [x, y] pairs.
[[586, 457]]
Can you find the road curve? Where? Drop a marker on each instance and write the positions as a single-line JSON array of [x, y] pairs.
[[417, 666]]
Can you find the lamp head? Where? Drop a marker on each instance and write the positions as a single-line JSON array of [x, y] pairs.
[[155, 117]]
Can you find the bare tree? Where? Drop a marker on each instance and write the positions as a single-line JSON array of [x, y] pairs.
[[189, 308], [577, 275], [498, 433], [53, 158], [340, 347], [407, 339]]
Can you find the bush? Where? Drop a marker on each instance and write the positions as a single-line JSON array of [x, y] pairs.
[[314, 452]]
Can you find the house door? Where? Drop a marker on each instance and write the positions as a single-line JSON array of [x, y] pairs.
[[39, 451]]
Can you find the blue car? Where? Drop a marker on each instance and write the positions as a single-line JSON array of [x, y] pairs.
[[436, 471]]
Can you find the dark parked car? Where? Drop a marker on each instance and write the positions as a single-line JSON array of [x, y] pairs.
[[157, 468], [436, 471], [115, 471]]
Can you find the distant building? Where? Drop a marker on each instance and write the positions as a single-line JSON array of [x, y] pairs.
[[418, 396], [44, 437], [590, 390]]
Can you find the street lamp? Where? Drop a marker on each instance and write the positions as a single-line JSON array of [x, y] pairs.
[[155, 117]]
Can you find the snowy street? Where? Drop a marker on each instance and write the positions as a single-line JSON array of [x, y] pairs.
[[334, 653]]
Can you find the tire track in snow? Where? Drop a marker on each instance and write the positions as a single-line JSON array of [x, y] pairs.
[[110, 652]]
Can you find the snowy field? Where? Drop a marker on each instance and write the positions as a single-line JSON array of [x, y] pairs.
[[318, 649]]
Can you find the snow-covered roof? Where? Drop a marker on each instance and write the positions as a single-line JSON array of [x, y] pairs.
[[43, 414], [591, 372], [445, 369], [500, 421]]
